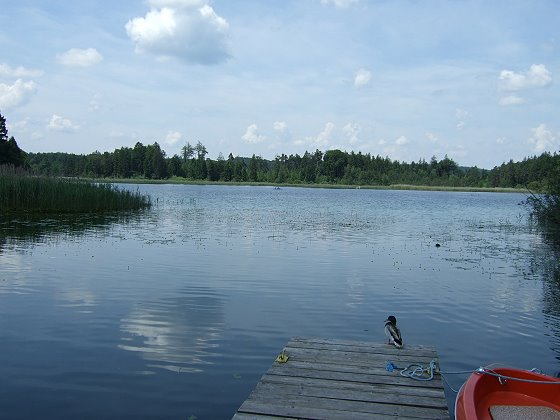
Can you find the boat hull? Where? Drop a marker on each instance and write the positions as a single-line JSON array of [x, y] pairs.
[[482, 393]]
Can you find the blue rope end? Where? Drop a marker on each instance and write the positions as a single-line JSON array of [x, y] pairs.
[[390, 366]]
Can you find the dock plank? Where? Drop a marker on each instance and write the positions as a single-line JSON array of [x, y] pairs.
[[375, 349], [355, 357], [278, 411], [338, 379], [350, 395], [359, 386], [353, 406], [354, 377]]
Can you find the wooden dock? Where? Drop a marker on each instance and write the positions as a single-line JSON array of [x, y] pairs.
[[334, 379]]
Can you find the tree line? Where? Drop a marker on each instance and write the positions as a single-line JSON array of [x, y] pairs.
[[332, 167]]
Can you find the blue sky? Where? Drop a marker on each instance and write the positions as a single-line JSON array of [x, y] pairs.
[[406, 79]]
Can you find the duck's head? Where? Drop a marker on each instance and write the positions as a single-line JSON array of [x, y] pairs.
[[391, 319]]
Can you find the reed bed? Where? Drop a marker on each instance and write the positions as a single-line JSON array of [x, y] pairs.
[[22, 192]]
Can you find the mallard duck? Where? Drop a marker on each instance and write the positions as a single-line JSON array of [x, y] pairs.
[[393, 332]]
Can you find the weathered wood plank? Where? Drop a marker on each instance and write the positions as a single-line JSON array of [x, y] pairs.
[[376, 349], [358, 386], [248, 416], [312, 413], [357, 343], [345, 357], [349, 395], [353, 377], [339, 367], [305, 402]]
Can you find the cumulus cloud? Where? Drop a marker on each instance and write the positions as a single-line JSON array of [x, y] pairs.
[[500, 140], [19, 126], [187, 29], [76, 57], [252, 135], [339, 3], [401, 141], [511, 100], [322, 140], [543, 139], [94, 104], [280, 126], [16, 94], [325, 136], [461, 116], [173, 137], [362, 77], [431, 137], [351, 130], [58, 123], [537, 76], [7, 71]]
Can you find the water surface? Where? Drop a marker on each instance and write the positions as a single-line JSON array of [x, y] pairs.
[[177, 312]]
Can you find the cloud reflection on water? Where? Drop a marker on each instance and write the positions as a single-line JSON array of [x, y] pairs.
[[179, 333]]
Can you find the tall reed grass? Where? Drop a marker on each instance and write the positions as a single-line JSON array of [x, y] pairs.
[[23, 192]]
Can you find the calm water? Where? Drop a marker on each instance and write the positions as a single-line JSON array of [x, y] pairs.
[[177, 312]]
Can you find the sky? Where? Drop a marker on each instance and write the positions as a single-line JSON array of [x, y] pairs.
[[408, 79]]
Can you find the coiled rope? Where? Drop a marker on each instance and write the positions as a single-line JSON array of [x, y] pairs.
[[420, 372]]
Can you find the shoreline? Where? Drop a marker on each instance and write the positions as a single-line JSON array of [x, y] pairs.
[[179, 181]]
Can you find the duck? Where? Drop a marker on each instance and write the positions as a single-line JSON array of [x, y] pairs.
[[392, 331]]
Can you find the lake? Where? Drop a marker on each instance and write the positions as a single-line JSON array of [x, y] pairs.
[[177, 312]]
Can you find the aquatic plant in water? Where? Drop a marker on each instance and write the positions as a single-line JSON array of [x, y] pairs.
[[23, 192]]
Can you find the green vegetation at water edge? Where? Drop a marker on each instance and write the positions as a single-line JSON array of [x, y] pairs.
[[546, 206], [21, 192], [179, 180]]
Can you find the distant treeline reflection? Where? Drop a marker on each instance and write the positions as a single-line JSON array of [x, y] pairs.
[[36, 229]]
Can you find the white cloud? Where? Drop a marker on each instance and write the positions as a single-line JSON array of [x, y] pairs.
[[7, 71], [324, 137], [173, 137], [16, 94], [543, 139], [188, 29], [511, 100], [382, 142], [500, 140], [362, 77], [351, 130], [94, 103], [401, 141], [322, 140], [431, 137], [461, 116], [536, 76], [58, 123], [339, 3], [280, 126], [458, 152], [20, 126], [76, 57], [252, 135]]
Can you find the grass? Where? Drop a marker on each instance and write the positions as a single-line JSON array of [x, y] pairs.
[[21, 192], [177, 180]]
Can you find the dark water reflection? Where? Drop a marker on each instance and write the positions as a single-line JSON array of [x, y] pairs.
[[178, 311]]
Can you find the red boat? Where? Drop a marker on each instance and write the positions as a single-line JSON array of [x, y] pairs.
[[507, 393]]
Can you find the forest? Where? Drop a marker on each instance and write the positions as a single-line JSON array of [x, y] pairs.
[[329, 167]]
